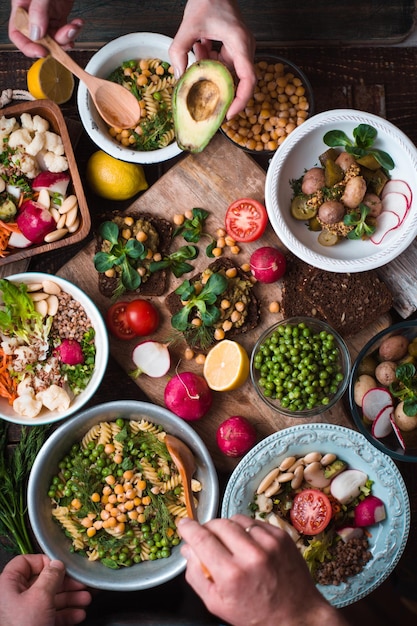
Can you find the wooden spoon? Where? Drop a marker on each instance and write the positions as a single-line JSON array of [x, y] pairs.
[[186, 465], [116, 104]]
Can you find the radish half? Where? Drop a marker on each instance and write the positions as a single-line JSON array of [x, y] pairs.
[[151, 358], [346, 486], [374, 401]]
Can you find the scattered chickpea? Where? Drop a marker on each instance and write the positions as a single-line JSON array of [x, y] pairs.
[[229, 241], [111, 273], [245, 267], [234, 249], [196, 321], [240, 306], [188, 354], [216, 252], [200, 358], [126, 233], [219, 334], [220, 232], [141, 236], [179, 219], [225, 304], [274, 307], [231, 272], [188, 214], [129, 221]]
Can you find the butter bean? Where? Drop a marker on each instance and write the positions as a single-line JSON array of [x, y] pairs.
[[298, 477], [34, 287], [55, 235], [53, 305], [266, 482], [44, 198], [38, 295], [285, 477], [273, 489], [51, 287], [69, 203], [41, 306], [71, 216], [312, 457], [287, 463], [328, 458]]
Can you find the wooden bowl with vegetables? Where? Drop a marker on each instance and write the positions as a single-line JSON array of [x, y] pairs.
[[42, 201], [383, 391]]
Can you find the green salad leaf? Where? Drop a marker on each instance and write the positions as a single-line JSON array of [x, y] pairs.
[[364, 137]]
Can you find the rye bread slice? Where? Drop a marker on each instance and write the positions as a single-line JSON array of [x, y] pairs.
[[348, 302], [156, 284], [173, 301]]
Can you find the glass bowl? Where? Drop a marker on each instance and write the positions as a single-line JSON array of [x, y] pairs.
[[307, 372], [365, 363], [269, 118]]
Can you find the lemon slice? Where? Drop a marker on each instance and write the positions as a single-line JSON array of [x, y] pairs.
[[226, 366], [47, 78], [113, 179]]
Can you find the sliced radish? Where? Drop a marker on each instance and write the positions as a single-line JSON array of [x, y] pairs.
[[397, 432], [151, 358], [346, 486], [397, 203], [398, 186], [350, 532], [381, 426], [385, 223], [374, 401]]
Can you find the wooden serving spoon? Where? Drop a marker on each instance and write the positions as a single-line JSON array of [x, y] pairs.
[[186, 465], [116, 104]]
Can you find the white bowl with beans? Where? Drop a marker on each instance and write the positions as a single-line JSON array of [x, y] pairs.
[[73, 314], [282, 101]]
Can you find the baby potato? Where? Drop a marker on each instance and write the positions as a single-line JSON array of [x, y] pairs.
[[345, 160], [354, 193], [404, 422], [313, 180], [393, 348], [385, 373], [374, 204], [331, 212], [363, 384]]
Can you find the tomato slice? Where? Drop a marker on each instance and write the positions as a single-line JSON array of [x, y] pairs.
[[311, 512], [117, 321], [246, 220], [142, 317]]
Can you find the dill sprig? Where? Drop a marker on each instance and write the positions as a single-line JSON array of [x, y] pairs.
[[15, 466]]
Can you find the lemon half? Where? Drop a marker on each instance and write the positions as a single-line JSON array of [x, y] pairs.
[[226, 366], [47, 78]]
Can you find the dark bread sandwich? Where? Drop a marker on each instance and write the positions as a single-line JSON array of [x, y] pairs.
[[239, 289], [156, 236], [348, 302]]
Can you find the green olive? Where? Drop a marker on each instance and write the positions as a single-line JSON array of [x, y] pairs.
[[327, 238]]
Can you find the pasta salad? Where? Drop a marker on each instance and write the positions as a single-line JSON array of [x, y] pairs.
[[118, 495], [152, 81]]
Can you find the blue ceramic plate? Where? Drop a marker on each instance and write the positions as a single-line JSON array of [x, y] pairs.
[[388, 538]]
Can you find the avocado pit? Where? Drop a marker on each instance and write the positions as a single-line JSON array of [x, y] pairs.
[[203, 99]]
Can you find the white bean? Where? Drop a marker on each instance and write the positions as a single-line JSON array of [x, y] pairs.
[[69, 203], [55, 235], [311, 457], [51, 287], [287, 463], [269, 478], [53, 305]]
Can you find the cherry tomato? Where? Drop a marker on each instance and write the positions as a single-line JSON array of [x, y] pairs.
[[246, 220], [311, 512], [117, 321], [142, 317]]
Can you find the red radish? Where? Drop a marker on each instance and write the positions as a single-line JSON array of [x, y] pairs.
[[370, 511], [54, 182], [346, 486], [236, 436], [397, 203], [18, 240], [374, 401], [151, 358], [350, 532], [398, 186], [268, 264], [397, 432], [35, 221], [385, 223], [70, 352], [381, 426], [188, 396]]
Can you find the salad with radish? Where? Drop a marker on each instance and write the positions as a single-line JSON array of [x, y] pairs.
[[350, 195], [326, 507]]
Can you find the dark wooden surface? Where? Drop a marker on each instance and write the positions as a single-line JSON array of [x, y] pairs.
[[276, 21], [378, 79]]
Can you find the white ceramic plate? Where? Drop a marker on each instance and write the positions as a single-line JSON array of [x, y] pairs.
[[388, 538], [102, 354], [106, 60], [301, 151]]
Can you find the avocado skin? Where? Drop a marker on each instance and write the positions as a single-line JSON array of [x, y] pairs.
[[200, 101]]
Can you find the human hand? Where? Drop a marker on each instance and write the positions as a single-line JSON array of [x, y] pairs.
[[206, 21], [35, 591], [45, 17], [258, 576]]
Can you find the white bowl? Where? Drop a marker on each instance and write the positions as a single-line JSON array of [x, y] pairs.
[[102, 354], [388, 538], [101, 64], [299, 152], [51, 537]]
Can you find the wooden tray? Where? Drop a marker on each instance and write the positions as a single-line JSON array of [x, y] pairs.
[[211, 180]]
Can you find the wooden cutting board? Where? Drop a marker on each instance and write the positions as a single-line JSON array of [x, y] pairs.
[[210, 180]]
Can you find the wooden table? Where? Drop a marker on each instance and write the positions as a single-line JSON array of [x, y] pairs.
[[378, 80]]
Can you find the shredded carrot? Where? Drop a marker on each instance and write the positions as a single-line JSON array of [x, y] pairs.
[[6, 229], [8, 385]]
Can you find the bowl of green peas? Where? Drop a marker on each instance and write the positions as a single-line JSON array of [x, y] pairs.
[[300, 367]]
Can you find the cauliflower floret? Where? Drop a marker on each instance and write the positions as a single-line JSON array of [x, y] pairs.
[[54, 398], [25, 387], [54, 162], [36, 145], [26, 164], [27, 406], [20, 137], [26, 121], [40, 124], [7, 125], [53, 143]]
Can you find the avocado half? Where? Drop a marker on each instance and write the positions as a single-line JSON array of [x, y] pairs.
[[200, 102]]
